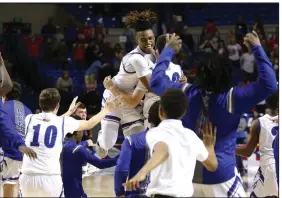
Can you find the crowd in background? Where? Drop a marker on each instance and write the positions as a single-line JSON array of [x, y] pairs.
[[88, 49]]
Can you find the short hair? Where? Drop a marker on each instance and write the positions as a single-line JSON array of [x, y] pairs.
[[48, 99], [154, 117], [161, 42], [272, 102], [82, 106], [174, 102], [15, 93], [214, 73], [140, 21]]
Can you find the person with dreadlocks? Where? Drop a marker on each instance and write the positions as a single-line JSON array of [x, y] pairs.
[[212, 98], [174, 73], [263, 132], [135, 66]]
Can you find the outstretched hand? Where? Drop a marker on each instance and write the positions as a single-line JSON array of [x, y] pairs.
[[174, 42]]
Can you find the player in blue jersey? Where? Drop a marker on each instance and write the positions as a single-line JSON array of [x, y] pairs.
[[73, 157], [213, 98], [17, 111], [134, 154]]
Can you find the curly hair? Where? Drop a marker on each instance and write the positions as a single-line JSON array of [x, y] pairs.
[[140, 21]]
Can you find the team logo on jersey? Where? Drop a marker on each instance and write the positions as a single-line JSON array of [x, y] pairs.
[[275, 130]]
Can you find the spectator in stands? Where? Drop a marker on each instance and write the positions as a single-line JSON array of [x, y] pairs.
[[175, 26], [119, 53], [92, 100], [208, 45], [187, 39], [92, 53], [70, 33], [210, 27], [258, 26], [234, 50], [62, 54], [247, 63], [222, 49], [130, 39], [241, 29], [49, 29], [48, 51], [64, 83], [33, 47]]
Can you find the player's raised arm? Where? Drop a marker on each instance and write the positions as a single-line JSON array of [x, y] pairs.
[[244, 98], [131, 100], [89, 124], [159, 80], [72, 108], [6, 84]]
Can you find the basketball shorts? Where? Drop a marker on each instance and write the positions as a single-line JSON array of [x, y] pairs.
[[41, 186], [231, 188], [11, 171], [127, 116], [265, 182]]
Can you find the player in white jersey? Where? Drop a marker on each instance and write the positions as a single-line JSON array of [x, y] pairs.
[[263, 132], [174, 72], [45, 133], [135, 66]]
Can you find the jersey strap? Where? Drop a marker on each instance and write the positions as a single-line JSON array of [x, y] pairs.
[[123, 65]]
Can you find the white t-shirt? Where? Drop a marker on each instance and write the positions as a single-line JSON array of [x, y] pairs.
[[247, 62], [234, 52], [45, 133], [174, 176], [134, 65]]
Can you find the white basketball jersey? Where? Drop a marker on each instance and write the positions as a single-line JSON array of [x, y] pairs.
[[174, 73], [268, 131], [134, 65], [45, 133]]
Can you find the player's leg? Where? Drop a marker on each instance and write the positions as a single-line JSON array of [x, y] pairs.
[[198, 190], [270, 187], [109, 128], [10, 177], [231, 188]]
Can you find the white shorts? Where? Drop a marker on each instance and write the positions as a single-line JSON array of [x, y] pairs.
[[265, 182], [127, 116], [231, 188], [41, 186], [11, 171]]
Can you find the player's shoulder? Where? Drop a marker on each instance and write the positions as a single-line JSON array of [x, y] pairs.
[[137, 136]]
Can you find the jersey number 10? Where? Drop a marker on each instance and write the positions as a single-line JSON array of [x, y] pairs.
[[49, 138]]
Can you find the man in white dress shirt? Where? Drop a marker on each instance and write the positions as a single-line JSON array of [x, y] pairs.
[[174, 151]]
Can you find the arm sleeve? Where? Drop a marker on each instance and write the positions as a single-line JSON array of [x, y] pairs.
[[153, 137], [70, 125], [140, 65], [9, 133], [84, 144], [95, 161], [241, 99], [160, 81], [122, 168]]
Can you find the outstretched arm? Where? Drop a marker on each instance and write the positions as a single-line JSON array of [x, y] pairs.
[[159, 80], [244, 98]]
